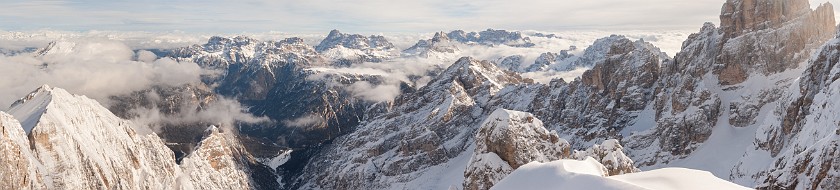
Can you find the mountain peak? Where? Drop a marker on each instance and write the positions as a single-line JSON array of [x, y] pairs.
[[440, 37], [28, 109], [334, 32]]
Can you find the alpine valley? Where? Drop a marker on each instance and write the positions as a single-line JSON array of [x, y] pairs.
[[747, 104]]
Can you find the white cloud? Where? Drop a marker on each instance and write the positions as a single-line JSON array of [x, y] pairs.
[[376, 93], [222, 112], [305, 121], [101, 69], [98, 69]]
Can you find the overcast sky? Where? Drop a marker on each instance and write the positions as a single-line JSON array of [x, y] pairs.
[[356, 15]]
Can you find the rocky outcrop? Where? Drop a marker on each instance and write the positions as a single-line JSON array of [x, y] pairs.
[[509, 139], [609, 153]]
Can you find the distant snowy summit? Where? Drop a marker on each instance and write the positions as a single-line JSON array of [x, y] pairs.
[[491, 37]]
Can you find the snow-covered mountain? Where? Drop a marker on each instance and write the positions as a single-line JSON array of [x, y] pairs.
[[276, 79], [750, 102], [70, 141], [346, 49], [439, 46], [491, 37]]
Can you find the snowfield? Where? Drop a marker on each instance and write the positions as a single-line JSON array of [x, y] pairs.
[[587, 174]]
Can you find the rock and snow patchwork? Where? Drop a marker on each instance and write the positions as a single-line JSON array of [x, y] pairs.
[[355, 48], [729, 94], [507, 140], [611, 154], [439, 47], [589, 174], [491, 37], [79, 144], [426, 139], [219, 162]]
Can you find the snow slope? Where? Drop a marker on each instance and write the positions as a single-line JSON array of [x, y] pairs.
[[589, 174]]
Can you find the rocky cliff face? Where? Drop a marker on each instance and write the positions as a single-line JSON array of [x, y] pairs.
[[725, 76], [770, 36], [609, 153], [804, 137]]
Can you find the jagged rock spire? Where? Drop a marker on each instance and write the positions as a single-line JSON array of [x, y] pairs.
[[741, 16]]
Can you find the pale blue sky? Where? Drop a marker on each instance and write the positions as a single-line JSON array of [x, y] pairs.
[[356, 15]]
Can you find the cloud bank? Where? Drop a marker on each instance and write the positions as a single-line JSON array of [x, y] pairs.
[[102, 69]]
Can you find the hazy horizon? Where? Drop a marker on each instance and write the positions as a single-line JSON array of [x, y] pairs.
[[366, 16]]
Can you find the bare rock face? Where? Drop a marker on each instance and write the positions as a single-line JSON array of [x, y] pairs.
[[740, 16], [509, 139], [769, 36]]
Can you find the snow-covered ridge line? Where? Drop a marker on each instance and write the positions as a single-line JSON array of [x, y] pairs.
[[75, 143]]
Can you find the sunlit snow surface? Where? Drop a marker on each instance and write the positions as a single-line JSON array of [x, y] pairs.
[[29, 109], [585, 174]]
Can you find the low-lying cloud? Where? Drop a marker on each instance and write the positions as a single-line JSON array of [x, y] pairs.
[[222, 112], [102, 69], [305, 121], [98, 69]]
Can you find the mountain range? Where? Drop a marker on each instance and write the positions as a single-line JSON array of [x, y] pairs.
[[747, 104]]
